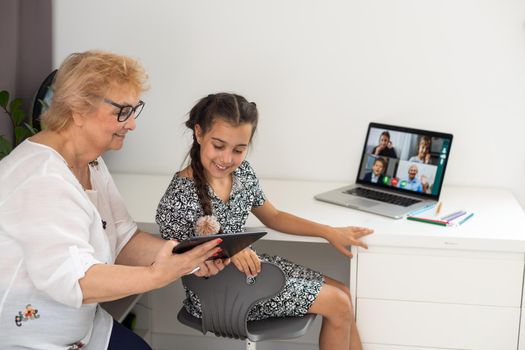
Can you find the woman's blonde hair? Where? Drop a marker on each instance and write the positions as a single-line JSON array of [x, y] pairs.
[[83, 78]]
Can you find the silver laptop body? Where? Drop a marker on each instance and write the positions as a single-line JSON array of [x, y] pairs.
[[399, 176]]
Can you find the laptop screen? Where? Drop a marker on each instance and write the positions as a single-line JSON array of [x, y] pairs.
[[404, 159]]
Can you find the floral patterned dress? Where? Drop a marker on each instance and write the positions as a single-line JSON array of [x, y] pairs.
[[179, 210]]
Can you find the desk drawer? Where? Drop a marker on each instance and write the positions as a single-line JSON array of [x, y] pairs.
[[434, 325], [461, 277]]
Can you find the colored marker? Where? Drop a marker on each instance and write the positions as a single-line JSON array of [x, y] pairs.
[[428, 221], [454, 215], [465, 219]]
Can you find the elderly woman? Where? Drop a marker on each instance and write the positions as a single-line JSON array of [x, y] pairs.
[[67, 240]]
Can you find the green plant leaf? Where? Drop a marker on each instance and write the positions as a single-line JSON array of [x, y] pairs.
[[18, 116], [4, 98], [21, 133], [15, 104], [5, 147]]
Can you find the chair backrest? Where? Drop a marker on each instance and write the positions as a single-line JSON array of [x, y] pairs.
[[42, 99], [227, 297]]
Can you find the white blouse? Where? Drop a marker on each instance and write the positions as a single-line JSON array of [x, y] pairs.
[[51, 233]]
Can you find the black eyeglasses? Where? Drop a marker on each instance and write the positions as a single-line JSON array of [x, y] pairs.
[[126, 110]]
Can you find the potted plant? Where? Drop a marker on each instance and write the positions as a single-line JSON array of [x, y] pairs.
[[17, 117]]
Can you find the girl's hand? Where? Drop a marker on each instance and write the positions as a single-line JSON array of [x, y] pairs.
[[247, 262], [211, 267], [342, 237]]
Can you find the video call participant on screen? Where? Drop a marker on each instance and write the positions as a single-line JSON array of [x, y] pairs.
[[376, 175], [412, 183], [423, 155], [385, 147]]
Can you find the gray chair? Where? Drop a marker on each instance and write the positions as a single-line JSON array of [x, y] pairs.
[[226, 299]]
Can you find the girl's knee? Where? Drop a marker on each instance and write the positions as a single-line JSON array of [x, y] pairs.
[[342, 311], [342, 287], [334, 304], [344, 299]]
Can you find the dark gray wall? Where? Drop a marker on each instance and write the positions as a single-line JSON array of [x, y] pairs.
[[25, 50]]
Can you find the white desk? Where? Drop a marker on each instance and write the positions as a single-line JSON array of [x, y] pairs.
[[419, 286]]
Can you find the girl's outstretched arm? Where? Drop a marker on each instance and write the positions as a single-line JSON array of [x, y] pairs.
[[340, 237]]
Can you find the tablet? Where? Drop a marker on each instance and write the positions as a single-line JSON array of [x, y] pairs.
[[231, 244]]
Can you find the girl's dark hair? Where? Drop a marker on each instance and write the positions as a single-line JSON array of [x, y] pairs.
[[231, 108]]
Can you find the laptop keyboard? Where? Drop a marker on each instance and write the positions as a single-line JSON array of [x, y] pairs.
[[382, 196]]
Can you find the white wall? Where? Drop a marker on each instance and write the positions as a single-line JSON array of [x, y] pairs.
[[319, 72]]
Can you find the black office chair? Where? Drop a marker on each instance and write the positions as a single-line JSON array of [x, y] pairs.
[[227, 298], [42, 99]]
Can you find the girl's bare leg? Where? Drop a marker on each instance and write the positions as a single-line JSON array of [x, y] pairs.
[[338, 330]]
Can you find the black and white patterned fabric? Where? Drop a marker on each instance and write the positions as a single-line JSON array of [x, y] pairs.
[[179, 210]]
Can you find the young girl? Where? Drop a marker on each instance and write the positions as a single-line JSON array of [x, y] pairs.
[[219, 182]]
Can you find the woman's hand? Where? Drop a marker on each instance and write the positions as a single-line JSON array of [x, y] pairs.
[[342, 237], [168, 267], [247, 262], [211, 267]]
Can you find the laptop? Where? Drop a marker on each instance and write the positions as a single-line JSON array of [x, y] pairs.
[[401, 171]]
